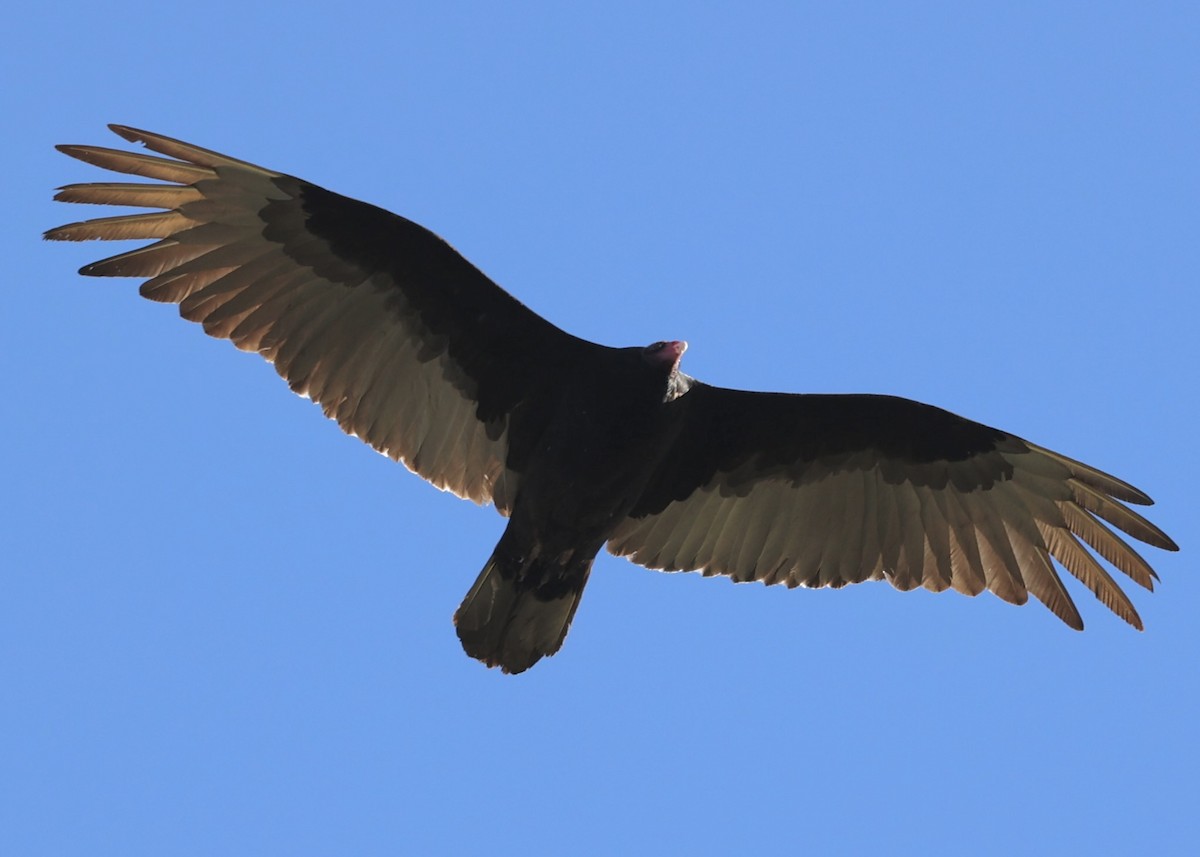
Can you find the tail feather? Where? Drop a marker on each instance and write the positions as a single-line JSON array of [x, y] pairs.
[[506, 620]]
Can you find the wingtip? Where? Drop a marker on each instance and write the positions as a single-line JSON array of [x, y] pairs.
[[1135, 620], [127, 132], [1130, 616], [59, 233]]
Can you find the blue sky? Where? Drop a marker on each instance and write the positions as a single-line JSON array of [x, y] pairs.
[[225, 627]]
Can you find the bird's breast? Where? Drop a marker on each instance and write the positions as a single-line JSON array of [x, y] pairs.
[[592, 465]]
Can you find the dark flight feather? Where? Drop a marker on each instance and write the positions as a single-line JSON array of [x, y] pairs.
[[412, 349]]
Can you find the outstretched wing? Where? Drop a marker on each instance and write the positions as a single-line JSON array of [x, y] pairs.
[[818, 490], [398, 338]]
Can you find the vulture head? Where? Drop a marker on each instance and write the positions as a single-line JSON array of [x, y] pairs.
[[665, 356]]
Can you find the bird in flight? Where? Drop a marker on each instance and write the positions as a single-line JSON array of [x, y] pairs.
[[413, 350]]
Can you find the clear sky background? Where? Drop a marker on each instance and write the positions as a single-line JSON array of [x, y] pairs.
[[225, 628]]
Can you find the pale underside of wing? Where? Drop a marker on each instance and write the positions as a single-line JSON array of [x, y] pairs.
[[345, 336], [828, 526]]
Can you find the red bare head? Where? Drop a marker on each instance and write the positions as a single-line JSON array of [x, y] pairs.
[[665, 353]]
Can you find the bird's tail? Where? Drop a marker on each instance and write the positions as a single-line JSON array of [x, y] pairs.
[[514, 615]]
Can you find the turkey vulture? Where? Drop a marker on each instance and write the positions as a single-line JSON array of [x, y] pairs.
[[415, 351]]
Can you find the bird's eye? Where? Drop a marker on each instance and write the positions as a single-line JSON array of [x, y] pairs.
[[658, 346]]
